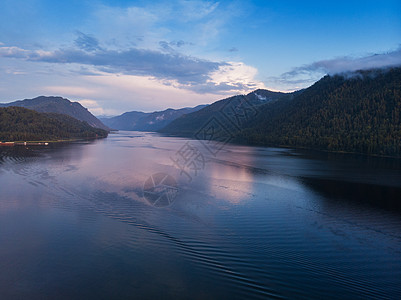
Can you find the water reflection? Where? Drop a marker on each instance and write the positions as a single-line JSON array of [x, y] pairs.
[[262, 222], [362, 194]]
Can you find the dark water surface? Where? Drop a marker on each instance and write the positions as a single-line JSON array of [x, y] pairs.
[[252, 223]]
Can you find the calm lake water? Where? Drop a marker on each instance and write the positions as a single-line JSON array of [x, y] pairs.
[[246, 223]]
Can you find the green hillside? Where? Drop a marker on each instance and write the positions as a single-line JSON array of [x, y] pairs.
[[358, 112], [59, 105], [21, 124]]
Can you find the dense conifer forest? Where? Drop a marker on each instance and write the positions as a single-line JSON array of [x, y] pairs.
[[21, 124], [355, 112], [358, 112]]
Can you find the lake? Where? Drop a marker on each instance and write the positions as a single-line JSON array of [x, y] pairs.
[[138, 215]]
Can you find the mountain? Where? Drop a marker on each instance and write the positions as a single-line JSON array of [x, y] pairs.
[[232, 113], [22, 124], [61, 106], [140, 121], [356, 112]]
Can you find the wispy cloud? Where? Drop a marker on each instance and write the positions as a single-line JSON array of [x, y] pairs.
[[173, 45], [147, 24], [348, 64], [185, 69], [303, 76], [93, 106], [169, 43], [170, 67], [86, 42]]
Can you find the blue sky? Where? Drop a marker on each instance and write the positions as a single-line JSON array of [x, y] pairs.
[[116, 56]]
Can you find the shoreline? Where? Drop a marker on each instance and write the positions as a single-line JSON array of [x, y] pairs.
[[44, 143], [243, 143]]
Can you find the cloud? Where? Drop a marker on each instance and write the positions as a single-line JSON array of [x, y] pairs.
[[179, 43], [194, 10], [140, 93], [138, 56], [13, 52], [185, 69], [304, 76], [169, 46], [231, 77], [165, 46], [126, 26], [348, 64], [71, 91], [148, 40], [93, 106], [86, 42], [170, 67]]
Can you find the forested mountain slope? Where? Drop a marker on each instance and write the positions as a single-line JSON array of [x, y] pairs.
[[357, 112], [21, 124], [61, 106]]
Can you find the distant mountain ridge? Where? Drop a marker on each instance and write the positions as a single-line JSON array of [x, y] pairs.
[[358, 112], [58, 105], [189, 124], [141, 121]]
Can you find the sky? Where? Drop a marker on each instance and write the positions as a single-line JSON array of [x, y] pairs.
[[122, 55]]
